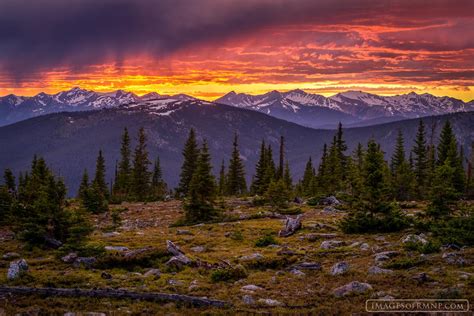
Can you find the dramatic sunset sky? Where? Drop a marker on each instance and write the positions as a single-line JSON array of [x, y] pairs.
[[206, 48]]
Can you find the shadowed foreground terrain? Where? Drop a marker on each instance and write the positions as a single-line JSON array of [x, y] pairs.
[[291, 274]]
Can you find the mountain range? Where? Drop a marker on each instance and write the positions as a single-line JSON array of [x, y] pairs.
[[70, 140], [352, 108]]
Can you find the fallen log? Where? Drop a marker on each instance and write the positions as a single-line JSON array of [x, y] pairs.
[[117, 294]]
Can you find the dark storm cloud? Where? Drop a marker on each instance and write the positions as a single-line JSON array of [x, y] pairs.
[[44, 34]]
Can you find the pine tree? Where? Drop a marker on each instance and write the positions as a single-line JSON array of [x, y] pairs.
[[222, 189], [278, 194], [448, 155], [158, 185], [323, 171], [141, 174], [199, 206], [287, 176], [123, 173], [99, 178], [308, 178], [402, 176], [84, 186], [446, 143], [270, 170], [399, 155], [341, 148], [259, 180], [281, 165], [190, 155], [420, 160], [236, 176], [470, 177]]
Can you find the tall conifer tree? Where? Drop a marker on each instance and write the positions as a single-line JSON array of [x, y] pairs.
[[236, 184], [141, 175], [190, 155]]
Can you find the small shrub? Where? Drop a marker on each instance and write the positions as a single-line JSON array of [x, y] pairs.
[[291, 211], [265, 241], [314, 201], [259, 201], [279, 262], [228, 274], [236, 235], [430, 247], [404, 263], [456, 230]]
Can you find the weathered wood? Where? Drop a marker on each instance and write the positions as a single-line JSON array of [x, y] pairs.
[[291, 226], [118, 294]]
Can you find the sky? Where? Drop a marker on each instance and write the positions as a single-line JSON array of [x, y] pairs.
[[207, 48]]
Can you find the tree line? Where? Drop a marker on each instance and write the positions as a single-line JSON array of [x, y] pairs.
[[369, 184]]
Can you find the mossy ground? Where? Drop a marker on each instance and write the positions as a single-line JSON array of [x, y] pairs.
[[148, 224]]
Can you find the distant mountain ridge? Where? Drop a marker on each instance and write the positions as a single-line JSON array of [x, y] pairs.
[[350, 107], [17, 108]]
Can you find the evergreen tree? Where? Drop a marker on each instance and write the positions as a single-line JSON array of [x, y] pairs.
[[190, 155], [99, 178], [141, 174], [7, 195], [341, 148], [123, 173], [259, 180], [470, 178], [278, 194], [84, 186], [398, 157], [270, 170], [281, 165], [222, 189], [402, 176], [308, 178], [323, 171], [287, 177], [420, 160], [199, 204], [374, 212], [158, 185], [9, 180], [236, 176]]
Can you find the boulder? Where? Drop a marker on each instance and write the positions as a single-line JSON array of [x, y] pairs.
[[52, 243], [454, 258], [297, 272], [183, 232], [106, 275], [291, 226], [364, 246], [354, 287], [330, 244], [198, 249], [298, 200], [251, 288], [254, 256], [116, 248], [110, 234], [422, 277], [152, 272], [416, 239], [69, 258], [329, 209], [87, 262], [339, 268], [330, 200], [17, 269], [248, 300], [307, 266], [377, 270], [179, 259]]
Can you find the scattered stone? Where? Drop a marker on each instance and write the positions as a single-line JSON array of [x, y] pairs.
[[11, 255], [385, 256], [454, 258], [87, 262], [380, 238], [175, 282], [111, 234], [251, 288], [382, 295], [322, 226], [298, 200], [330, 244], [248, 300], [183, 232], [254, 256], [198, 249], [69, 258], [451, 247], [17, 269], [364, 247], [53, 243], [137, 252], [116, 248], [330, 200], [152, 272], [465, 275], [354, 244], [354, 287], [193, 285], [308, 266], [339, 268], [378, 270], [286, 252], [329, 209], [105, 275], [422, 277], [179, 259], [270, 302], [416, 239], [297, 272], [291, 226]]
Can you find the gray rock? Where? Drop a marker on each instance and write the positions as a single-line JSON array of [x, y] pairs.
[[53, 243], [385, 256], [183, 232], [285, 252], [422, 277], [377, 270], [69, 258], [111, 234], [152, 272], [364, 247], [270, 302], [340, 268], [329, 209], [175, 282], [248, 300], [116, 248], [251, 288], [106, 275], [354, 287], [254, 256], [198, 249], [297, 272], [11, 255], [416, 239], [330, 244], [87, 262], [330, 200], [308, 266], [17, 269], [454, 258]]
